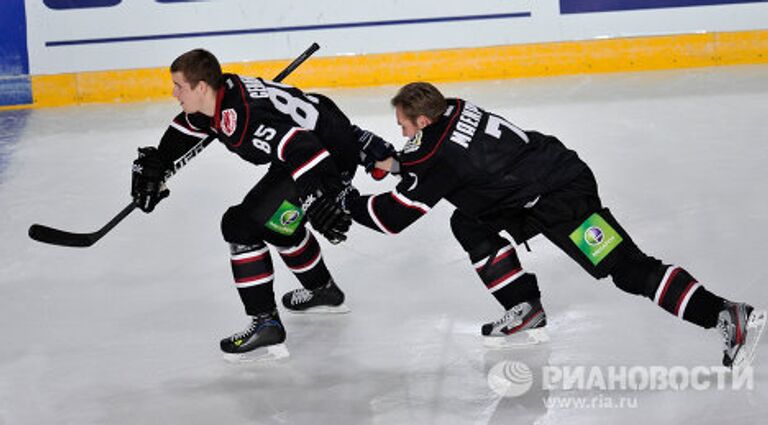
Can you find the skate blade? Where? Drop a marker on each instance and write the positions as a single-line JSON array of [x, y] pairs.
[[518, 340], [755, 328], [324, 309], [268, 354]]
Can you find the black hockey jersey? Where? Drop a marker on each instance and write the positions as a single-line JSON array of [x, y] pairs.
[[267, 122], [479, 162]]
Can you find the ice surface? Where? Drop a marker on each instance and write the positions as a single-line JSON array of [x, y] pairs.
[[126, 332]]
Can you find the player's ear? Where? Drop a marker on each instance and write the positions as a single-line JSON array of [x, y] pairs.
[[422, 121], [203, 87]]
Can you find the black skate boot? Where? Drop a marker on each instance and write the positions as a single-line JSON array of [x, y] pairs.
[[741, 326], [326, 299], [521, 325], [261, 341]]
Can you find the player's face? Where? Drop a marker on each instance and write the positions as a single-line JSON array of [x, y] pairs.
[[409, 127], [190, 99]]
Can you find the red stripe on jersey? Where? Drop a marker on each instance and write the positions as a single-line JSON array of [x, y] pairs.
[[247, 114], [682, 296], [281, 153], [667, 283], [412, 206], [440, 141], [217, 109], [376, 219], [217, 115], [303, 168]]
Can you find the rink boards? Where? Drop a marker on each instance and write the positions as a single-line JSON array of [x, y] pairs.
[[61, 52]]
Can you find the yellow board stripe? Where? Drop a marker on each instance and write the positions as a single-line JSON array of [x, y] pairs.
[[513, 61]]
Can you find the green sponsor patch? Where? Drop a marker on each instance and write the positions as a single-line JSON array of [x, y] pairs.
[[286, 219], [596, 238]]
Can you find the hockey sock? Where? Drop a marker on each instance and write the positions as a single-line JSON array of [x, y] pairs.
[[306, 262], [253, 273], [504, 277], [680, 294]]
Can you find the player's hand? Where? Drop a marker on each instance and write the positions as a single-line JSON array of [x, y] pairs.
[[148, 174], [326, 216], [346, 196], [373, 149]]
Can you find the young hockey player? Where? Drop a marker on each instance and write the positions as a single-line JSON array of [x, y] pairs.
[[311, 149], [500, 177]]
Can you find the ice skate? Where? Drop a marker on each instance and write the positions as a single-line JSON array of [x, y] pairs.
[[521, 326], [328, 299], [741, 327], [262, 341]]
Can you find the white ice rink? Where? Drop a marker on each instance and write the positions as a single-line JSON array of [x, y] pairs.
[[127, 331]]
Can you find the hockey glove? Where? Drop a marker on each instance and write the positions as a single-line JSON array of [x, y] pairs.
[[326, 216], [147, 185], [373, 148], [345, 198]]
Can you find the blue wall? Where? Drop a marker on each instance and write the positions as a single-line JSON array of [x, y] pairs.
[[15, 87]]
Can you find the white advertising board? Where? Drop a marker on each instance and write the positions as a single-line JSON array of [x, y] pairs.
[[93, 35]]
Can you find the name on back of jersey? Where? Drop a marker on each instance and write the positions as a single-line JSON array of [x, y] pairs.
[[466, 127], [254, 87]]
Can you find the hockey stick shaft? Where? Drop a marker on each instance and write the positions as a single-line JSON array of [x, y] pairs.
[[54, 236]]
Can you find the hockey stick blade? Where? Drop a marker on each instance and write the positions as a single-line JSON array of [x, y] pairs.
[[53, 236]]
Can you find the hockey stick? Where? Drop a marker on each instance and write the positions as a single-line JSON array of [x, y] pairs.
[[54, 236]]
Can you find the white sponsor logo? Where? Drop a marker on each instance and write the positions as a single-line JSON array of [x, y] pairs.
[[510, 378], [514, 378]]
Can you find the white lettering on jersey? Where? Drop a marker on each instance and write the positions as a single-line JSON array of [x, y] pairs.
[[255, 87], [261, 136], [301, 112], [469, 119], [495, 123]]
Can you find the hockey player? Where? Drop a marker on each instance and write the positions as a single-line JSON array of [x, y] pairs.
[[311, 150], [500, 177]]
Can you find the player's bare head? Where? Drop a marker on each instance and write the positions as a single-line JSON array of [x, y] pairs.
[[420, 98], [199, 65]]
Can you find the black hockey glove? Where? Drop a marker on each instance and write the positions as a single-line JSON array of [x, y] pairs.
[[373, 148], [345, 198], [326, 216], [147, 186]]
